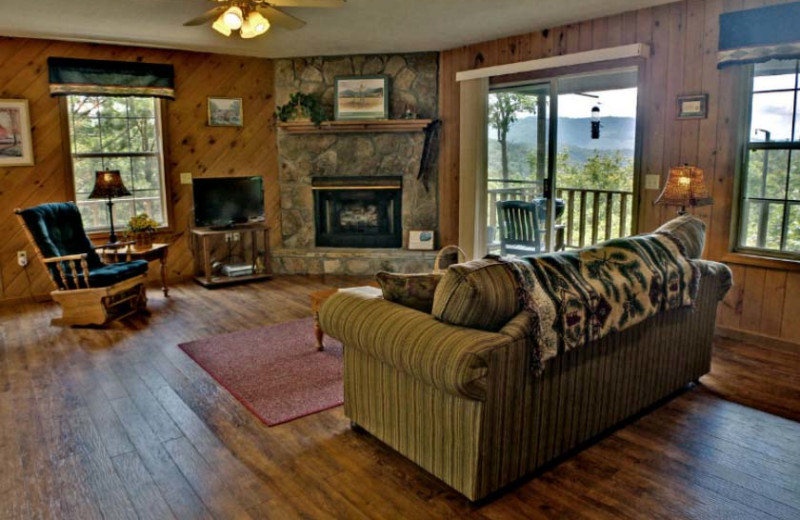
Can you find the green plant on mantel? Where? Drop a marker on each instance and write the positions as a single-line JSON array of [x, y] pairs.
[[301, 106]]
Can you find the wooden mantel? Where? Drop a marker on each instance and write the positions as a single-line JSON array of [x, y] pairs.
[[349, 127]]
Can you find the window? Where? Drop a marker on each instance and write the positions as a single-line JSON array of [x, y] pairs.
[[769, 213], [117, 133], [570, 137]]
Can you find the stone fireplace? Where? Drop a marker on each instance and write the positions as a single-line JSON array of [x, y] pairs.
[[326, 226], [358, 212]]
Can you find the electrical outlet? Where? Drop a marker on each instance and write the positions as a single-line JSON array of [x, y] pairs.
[[186, 178], [651, 182], [22, 258], [231, 237]]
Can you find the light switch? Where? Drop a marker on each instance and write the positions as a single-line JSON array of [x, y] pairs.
[[651, 182], [186, 178]]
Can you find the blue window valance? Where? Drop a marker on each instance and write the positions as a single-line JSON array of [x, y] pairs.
[[70, 76], [758, 35]]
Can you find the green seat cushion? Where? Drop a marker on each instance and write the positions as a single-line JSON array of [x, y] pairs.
[[115, 273], [690, 231], [57, 229], [481, 294]]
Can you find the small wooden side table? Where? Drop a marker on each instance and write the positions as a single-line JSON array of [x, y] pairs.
[[156, 252], [317, 299]]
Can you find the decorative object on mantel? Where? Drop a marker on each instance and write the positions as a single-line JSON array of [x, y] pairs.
[[108, 185], [252, 18], [16, 146], [225, 112], [693, 106], [361, 97], [301, 108], [685, 187], [420, 240], [428, 155], [350, 127], [142, 227]]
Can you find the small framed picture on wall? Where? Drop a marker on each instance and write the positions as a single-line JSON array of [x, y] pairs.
[[225, 112], [693, 106], [16, 145]]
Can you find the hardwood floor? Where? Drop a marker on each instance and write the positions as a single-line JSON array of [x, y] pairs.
[[120, 423]]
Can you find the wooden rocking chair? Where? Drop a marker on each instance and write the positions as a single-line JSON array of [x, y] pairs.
[[89, 291]]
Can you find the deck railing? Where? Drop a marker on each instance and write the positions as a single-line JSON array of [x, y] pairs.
[[590, 216]]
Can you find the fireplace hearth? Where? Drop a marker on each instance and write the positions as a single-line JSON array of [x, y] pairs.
[[362, 212]]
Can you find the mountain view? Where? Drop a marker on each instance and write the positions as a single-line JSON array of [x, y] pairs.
[[617, 137]]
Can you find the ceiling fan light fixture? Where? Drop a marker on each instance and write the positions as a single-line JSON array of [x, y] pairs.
[[221, 27], [258, 22], [233, 18], [254, 25]]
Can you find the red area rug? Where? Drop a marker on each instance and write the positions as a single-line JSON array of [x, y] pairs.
[[276, 371]]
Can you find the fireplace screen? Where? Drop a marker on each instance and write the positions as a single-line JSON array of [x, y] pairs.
[[356, 212]]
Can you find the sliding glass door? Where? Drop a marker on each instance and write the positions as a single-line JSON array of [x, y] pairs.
[[561, 162]]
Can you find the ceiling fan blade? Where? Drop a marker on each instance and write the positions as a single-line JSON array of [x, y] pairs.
[[207, 16], [281, 19], [306, 3]]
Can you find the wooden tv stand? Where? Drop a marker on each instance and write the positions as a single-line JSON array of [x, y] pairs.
[[204, 236]]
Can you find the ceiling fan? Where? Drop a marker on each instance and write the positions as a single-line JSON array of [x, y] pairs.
[[253, 17]]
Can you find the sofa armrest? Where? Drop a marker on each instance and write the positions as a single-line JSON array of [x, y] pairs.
[[720, 273], [450, 358]]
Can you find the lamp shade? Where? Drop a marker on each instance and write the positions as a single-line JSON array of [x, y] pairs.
[[108, 185], [685, 187]]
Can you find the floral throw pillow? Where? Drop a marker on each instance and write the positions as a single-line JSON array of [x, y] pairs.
[[411, 290]]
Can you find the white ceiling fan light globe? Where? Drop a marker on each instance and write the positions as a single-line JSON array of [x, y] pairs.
[[248, 30], [221, 27], [258, 22], [233, 18]]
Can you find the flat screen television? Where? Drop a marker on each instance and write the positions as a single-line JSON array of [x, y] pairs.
[[226, 201]]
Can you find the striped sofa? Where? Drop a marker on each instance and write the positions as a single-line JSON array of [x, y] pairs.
[[462, 402]]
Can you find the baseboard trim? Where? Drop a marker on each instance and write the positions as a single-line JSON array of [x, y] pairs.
[[18, 300], [755, 337]]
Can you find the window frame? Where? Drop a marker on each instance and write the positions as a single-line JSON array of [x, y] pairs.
[[746, 92], [163, 128]]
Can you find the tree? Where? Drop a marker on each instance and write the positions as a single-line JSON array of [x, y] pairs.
[[503, 110]]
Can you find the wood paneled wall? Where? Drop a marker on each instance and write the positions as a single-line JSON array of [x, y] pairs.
[[192, 146], [684, 38]]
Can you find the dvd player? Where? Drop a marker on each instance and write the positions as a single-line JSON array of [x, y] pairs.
[[237, 269]]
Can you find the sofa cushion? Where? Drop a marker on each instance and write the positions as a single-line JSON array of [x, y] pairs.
[[690, 231], [481, 294], [411, 290]]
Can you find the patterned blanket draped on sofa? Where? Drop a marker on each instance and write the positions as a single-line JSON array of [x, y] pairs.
[[583, 295]]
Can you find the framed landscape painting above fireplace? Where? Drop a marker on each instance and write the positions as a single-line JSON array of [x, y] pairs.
[[361, 97]]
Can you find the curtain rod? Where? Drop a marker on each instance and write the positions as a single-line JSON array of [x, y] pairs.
[[634, 50]]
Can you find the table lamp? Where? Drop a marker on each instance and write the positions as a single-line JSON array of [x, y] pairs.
[[685, 187], [109, 185]]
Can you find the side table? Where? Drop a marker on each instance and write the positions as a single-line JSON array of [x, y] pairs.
[[317, 299], [156, 252]]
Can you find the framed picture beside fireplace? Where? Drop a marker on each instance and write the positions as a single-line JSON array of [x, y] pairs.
[[420, 240], [361, 97]]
